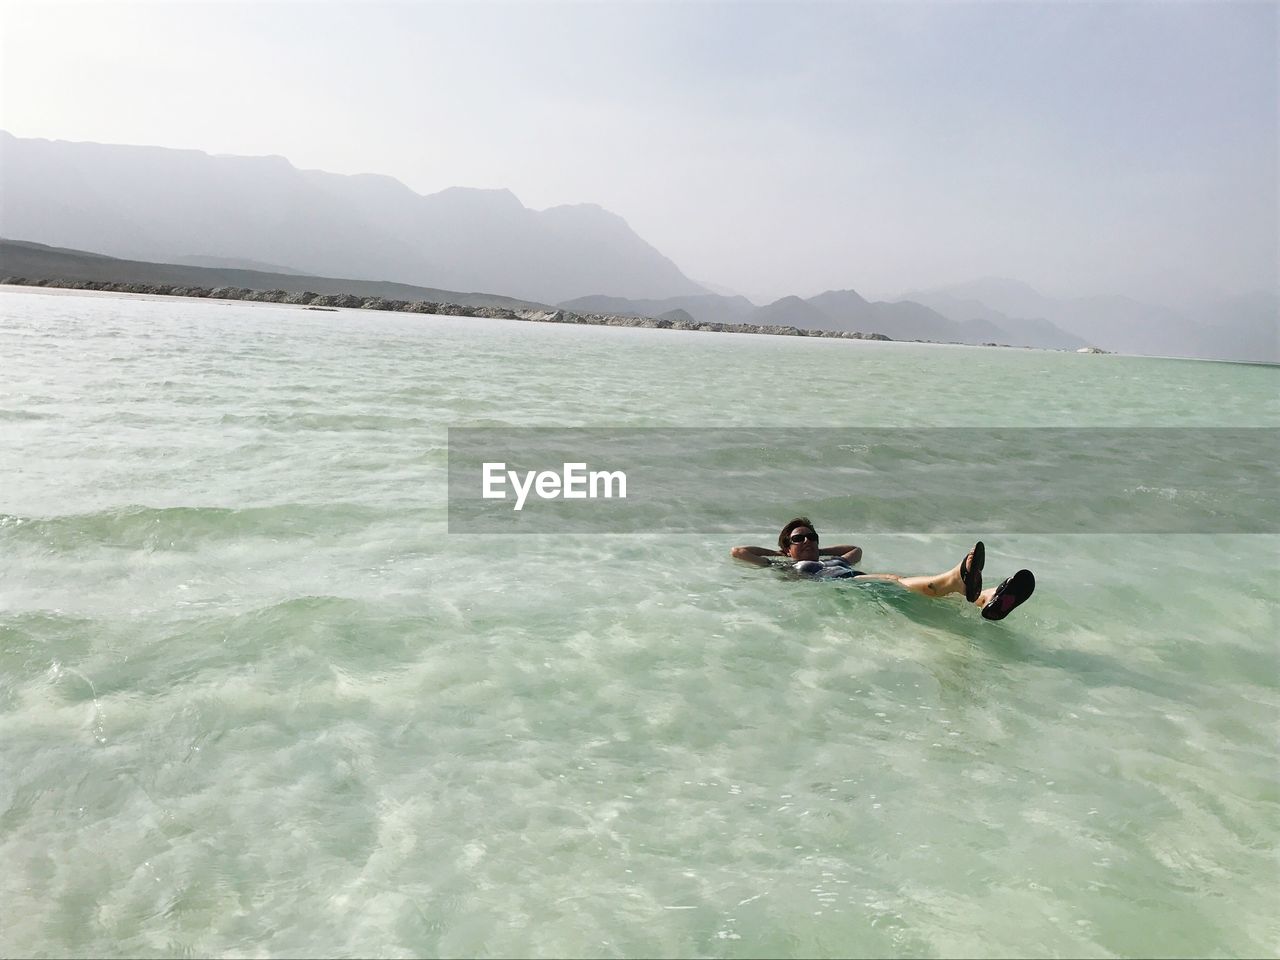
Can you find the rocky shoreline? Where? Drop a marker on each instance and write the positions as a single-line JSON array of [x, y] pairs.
[[334, 301]]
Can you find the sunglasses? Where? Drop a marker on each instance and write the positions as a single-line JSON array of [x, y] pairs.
[[803, 537]]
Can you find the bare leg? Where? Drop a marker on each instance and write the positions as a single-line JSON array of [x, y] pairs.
[[939, 585]]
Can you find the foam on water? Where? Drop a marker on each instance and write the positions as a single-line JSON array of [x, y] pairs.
[[255, 701]]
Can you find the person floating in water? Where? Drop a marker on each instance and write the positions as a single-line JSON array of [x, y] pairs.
[[798, 542]]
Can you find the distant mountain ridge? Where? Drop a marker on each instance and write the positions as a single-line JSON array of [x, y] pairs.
[[156, 204], [830, 311], [1236, 328], [156, 210], [843, 311], [236, 263]]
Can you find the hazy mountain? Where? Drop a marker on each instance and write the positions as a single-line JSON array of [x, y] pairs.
[[978, 330], [1128, 325], [1242, 328], [718, 288], [981, 320], [794, 312], [1011, 298], [1236, 328], [236, 263], [840, 304], [706, 307], [157, 204], [849, 310], [908, 320], [39, 261], [1039, 332], [837, 310]]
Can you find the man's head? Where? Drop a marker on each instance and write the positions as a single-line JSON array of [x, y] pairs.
[[799, 540]]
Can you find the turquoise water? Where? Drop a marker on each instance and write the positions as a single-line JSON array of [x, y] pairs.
[[255, 700]]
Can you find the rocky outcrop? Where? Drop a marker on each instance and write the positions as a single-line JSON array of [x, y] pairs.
[[674, 320]]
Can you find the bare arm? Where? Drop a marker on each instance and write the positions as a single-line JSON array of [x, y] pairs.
[[754, 555], [851, 553]]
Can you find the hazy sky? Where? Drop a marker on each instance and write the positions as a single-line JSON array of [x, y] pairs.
[[771, 148]]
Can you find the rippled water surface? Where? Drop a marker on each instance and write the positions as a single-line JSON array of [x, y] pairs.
[[255, 700]]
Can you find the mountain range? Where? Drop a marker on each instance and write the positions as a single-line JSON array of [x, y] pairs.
[[260, 219], [843, 310], [1245, 328], [837, 310], [161, 205]]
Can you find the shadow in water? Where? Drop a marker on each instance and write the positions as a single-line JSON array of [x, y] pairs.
[[946, 614], [1022, 639]]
